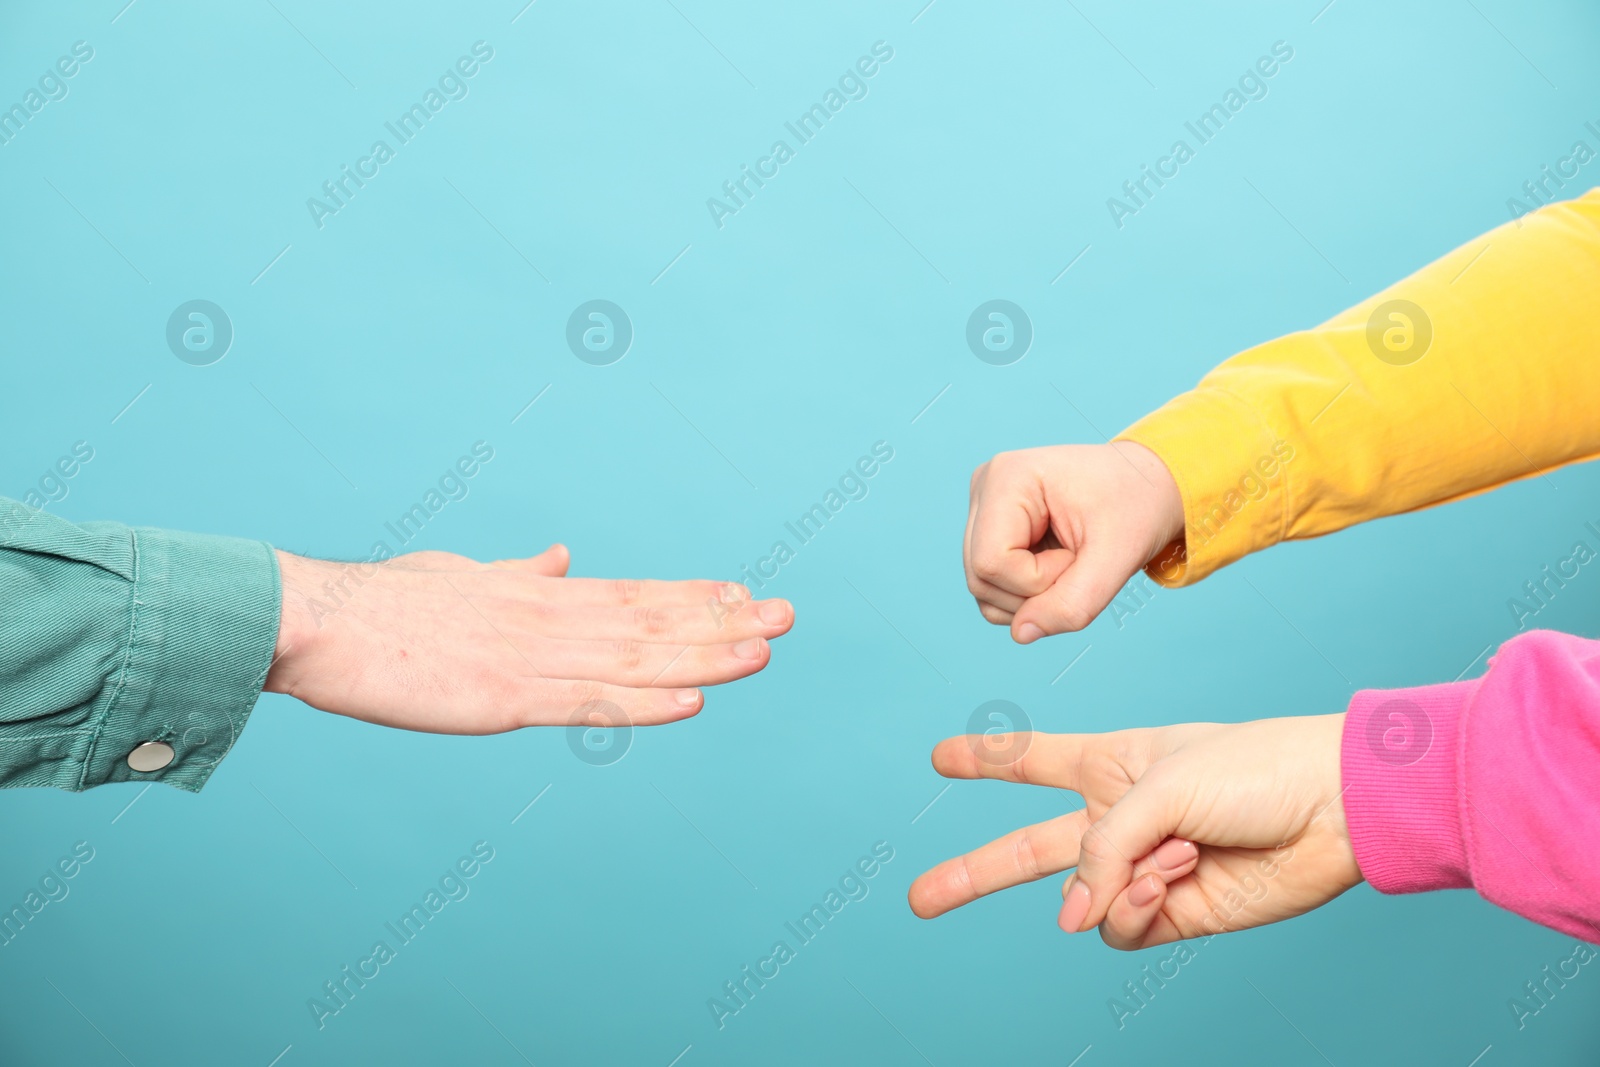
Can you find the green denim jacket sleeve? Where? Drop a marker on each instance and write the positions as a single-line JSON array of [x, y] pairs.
[[112, 636]]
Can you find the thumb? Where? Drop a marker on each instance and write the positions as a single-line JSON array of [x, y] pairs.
[[551, 563], [1146, 815], [1079, 594]]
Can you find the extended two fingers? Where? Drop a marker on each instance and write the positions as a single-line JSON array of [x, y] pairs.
[[1116, 878], [1023, 855]]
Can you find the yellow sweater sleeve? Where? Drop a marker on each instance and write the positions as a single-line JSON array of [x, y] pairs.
[[1481, 368]]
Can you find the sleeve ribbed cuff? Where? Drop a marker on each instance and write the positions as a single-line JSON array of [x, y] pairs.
[[1400, 764], [202, 633]]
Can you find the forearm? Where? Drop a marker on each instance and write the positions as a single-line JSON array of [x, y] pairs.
[[1487, 373]]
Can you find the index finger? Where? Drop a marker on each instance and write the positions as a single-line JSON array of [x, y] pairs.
[[1027, 758]]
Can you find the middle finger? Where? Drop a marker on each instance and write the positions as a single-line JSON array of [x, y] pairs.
[[1024, 855]]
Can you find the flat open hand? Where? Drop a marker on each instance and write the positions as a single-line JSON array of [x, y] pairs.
[[438, 642], [1260, 799]]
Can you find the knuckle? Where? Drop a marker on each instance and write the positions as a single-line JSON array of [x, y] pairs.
[[961, 879], [653, 621], [511, 704], [628, 654], [1114, 938], [1022, 771], [1073, 616], [1131, 747], [526, 708], [584, 692], [521, 702], [627, 590], [1096, 847], [1206, 924], [513, 713], [987, 566], [1010, 469], [426, 560], [1026, 856]]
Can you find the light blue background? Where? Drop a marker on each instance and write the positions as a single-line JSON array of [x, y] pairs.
[[820, 319]]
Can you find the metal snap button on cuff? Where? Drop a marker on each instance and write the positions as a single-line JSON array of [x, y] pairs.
[[151, 756]]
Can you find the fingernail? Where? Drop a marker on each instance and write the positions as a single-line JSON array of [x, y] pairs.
[[750, 649], [1028, 633], [1075, 909], [688, 698], [773, 612], [1144, 891], [1174, 853]]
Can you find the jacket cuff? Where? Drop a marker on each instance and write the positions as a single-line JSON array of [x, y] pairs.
[[201, 638], [1230, 469], [1400, 764]]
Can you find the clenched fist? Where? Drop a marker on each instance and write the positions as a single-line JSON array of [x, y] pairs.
[[1054, 533]]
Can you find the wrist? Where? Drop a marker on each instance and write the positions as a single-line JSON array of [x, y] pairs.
[[1166, 500], [299, 627], [1333, 785]]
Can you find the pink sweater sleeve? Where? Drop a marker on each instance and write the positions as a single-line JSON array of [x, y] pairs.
[[1491, 784]]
